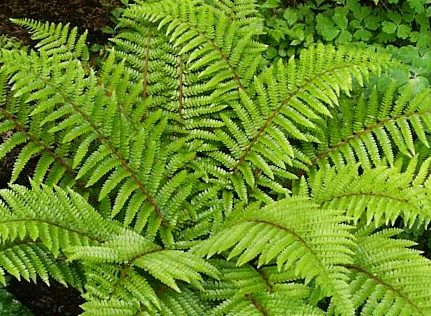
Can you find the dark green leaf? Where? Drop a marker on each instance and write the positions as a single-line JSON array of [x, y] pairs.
[[345, 37], [372, 22], [271, 4]]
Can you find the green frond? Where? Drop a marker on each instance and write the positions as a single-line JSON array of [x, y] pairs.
[[164, 265], [108, 283], [24, 119], [291, 234], [172, 304], [389, 278], [115, 307], [185, 303], [247, 290], [374, 130], [69, 221], [243, 11], [283, 105], [380, 195], [34, 238], [30, 260], [188, 144], [56, 39], [268, 304]]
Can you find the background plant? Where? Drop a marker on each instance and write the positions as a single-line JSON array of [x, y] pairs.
[[293, 25]]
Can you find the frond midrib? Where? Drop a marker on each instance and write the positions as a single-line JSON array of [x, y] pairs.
[[378, 280], [45, 221], [373, 194], [23, 129], [275, 112], [105, 141], [367, 130]]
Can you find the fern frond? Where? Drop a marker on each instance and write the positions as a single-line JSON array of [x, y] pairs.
[[56, 39], [388, 277], [246, 290], [164, 265], [380, 195], [287, 104], [172, 303], [37, 226], [108, 283], [312, 242], [243, 11], [69, 221], [374, 130], [28, 126], [112, 147], [30, 260]]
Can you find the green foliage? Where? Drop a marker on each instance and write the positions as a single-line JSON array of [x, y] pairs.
[[291, 26], [190, 175]]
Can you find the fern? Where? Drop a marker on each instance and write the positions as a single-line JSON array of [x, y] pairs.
[[374, 130], [379, 196], [188, 175]]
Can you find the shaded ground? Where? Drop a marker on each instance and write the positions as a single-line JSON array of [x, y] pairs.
[[85, 14], [42, 300]]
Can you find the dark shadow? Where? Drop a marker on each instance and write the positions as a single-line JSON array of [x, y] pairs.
[[42, 300]]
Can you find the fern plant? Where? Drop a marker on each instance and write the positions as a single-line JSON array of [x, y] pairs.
[[190, 176]]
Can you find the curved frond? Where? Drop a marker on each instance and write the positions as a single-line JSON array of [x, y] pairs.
[[388, 277], [379, 196], [292, 234], [56, 39], [374, 129]]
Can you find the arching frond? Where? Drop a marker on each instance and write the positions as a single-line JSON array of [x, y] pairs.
[[374, 129], [388, 277], [293, 234], [379, 196], [56, 39]]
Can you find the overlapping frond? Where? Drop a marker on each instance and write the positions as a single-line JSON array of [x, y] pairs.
[[163, 264], [131, 273], [380, 195], [32, 261], [190, 55], [34, 89], [187, 144], [373, 129], [293, 234], [135, 165], [37, 226], [248, 290], [171, 303], [286, 104], [388, 277]]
